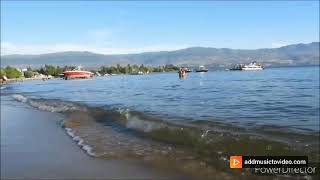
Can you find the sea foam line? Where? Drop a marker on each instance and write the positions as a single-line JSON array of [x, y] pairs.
[[20, 98], [48, 105], [79, 141]]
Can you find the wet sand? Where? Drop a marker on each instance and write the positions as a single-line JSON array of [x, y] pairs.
[[34, 146]]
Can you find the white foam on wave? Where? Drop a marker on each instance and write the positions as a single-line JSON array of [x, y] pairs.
[[124, 112], [2, 87], [48, 105], [80, 142], [88, 149], [20, 98], [51, 108], [138, 124], [69, 132]]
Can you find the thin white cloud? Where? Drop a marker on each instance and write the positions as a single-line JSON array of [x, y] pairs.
[[8, 48]]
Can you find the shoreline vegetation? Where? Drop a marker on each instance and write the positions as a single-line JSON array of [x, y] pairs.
[[11, 74]]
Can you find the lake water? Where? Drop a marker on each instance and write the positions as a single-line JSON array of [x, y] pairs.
[[190, 125], [285, 97]]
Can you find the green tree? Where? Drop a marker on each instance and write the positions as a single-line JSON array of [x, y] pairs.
[[123, 70], [12, 72], [28, 74], [129, 68], [135, 68], [118, 68], [59, 70], [170, 67], [42, 70], [103, 70], [50, 70], [2, 72], [110, 70], [141, 68]]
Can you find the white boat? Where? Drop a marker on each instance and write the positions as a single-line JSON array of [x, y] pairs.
[[253, 66], [202, 69]]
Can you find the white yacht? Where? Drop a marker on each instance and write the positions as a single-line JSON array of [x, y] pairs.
[[252, 67], [202, 69]]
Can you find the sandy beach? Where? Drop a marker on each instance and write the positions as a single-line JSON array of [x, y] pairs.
[[34, 146]]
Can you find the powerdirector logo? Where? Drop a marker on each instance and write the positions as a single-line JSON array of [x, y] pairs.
[[275, 164]]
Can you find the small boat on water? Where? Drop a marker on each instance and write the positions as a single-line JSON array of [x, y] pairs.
[[137, 73], [77, 72], [202, 69], [186, 70], [253, 66]]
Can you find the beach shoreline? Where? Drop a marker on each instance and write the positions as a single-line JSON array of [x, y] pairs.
[[22, 79], [34, 146]]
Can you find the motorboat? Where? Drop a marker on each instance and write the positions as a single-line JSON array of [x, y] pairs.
[[186, 70], [137, 73], [77, 72], [202, 69], [253, 66]]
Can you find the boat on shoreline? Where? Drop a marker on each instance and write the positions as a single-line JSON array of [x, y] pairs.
[[77, 72]]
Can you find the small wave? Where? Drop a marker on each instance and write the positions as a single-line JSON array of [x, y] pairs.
[[3, 87], [142, 125], [20, 98], [49, 105], [80, 142], [124, 112]]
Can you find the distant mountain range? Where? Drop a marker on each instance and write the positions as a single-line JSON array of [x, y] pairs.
[[291, 55]]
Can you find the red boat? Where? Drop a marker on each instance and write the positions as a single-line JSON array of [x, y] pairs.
[[77, 73]]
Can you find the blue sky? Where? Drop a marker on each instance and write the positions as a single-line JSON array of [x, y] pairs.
[[132, 27]]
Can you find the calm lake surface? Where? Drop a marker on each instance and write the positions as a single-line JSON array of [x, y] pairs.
[[284, 97]]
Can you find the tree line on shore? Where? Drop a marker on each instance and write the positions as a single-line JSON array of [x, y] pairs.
[[51, 70], [12, 72], [129, 69]]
